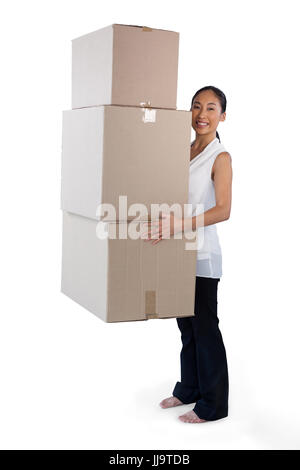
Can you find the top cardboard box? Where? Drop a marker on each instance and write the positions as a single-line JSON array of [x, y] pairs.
[[125, 65]]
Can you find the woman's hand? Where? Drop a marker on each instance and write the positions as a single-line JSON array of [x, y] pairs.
[[163, 228]]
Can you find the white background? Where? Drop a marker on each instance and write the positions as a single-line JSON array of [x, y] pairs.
[[70, 381]]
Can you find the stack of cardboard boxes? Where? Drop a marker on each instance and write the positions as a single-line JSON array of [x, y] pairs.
[[125, 137]]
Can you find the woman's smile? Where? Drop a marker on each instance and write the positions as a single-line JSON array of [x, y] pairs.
[[201, 124]]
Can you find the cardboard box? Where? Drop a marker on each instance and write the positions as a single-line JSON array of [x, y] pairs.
[[108, 151], [125, 65], [125, 279]]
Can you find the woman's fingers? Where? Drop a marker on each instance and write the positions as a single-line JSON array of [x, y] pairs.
[[156, 230], [156, 241]]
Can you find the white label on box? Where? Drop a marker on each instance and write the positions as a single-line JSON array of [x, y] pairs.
[[149, 115]]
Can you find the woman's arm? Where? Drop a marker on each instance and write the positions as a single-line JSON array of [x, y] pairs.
[[170, 224], [222, 177]]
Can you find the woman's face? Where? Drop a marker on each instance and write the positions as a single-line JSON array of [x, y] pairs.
[[206, 113]]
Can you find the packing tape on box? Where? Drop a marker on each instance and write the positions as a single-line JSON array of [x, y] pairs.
[[149, 115], [145, 104], [146, 29], [150, 304]]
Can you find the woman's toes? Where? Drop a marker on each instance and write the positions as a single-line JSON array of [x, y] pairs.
[[191, 417], [170, 402]]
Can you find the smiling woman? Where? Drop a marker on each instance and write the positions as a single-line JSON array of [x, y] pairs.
[[204, 372]]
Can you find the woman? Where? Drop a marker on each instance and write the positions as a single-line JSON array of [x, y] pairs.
[[204, 372]]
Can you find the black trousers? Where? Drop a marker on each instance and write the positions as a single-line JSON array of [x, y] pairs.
[[204, 373]]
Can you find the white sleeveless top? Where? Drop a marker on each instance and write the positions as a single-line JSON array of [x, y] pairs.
[[202, 190]]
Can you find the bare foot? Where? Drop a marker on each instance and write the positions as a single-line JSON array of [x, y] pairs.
[[191, 417], [170, 402]]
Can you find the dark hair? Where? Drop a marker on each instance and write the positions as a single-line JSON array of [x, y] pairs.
[[220, 95]]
